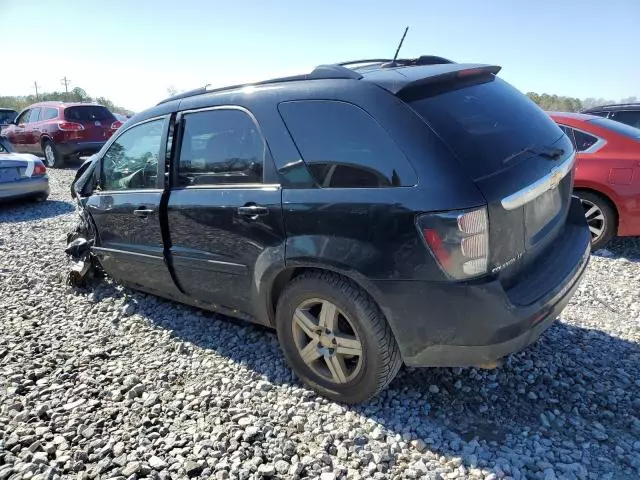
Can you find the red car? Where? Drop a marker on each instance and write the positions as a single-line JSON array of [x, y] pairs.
[[607, 177], [60, 130]]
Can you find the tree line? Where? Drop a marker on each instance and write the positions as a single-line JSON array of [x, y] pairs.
[[556, 103], [75, 95]]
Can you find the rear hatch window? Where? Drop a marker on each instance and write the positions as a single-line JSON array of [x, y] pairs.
[[7, 116], [88, 113], [486, 122], [618, 127]]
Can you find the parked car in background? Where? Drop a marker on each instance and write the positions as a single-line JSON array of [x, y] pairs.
[[7, 116], [415, 211], [628, 113], [61, 130], [607, 176], [22, 176]]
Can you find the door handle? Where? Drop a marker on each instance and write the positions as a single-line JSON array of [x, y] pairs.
[[142, 212], [252, 211]]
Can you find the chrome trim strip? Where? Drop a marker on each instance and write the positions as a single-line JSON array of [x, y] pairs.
[[537, 188]]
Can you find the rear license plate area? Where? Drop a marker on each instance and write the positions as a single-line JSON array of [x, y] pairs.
[[541, 211], [9, 174]]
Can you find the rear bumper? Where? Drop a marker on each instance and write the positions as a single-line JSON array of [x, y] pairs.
[[24, 188], [476, 323], [79, 148]]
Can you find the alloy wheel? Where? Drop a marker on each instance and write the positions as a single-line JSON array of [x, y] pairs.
[[326, 341], [595, 219], [49, 155]]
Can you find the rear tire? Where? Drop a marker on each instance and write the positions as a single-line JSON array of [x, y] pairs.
[[42, 197], [343, 320], [52, 157], [601, 218]]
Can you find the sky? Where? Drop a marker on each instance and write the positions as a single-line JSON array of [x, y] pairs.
[[132, 51]]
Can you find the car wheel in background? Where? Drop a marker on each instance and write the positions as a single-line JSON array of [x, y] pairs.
[[335, 338], [52, 157], [601, 218]]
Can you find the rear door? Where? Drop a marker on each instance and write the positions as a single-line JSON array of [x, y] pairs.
[[517, 155], [224, 210], [126, 207], [95, 119]]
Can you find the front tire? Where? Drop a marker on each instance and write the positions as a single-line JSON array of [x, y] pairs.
[[601, 218], [52, 156], [335, 338]]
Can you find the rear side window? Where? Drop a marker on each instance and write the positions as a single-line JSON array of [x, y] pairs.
[[35, 115], [484, 122], [49, 113], [88, 113], [220, 147], [344, 147]]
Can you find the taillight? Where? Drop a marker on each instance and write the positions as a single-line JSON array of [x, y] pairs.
[[116, 125], [39, 169], [70, 126], [459, 241]]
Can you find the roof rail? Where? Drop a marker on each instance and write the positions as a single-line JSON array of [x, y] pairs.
[[331, 71]]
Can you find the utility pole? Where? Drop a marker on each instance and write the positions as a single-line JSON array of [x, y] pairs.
[[65, 81], [35, 84]]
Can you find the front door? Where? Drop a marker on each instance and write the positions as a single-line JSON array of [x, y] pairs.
[[224, 211], [17, 133], [125, 210]]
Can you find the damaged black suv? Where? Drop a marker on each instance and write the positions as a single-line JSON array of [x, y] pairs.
[[374, 212]]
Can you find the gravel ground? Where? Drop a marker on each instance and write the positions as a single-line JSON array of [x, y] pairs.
[[111, 383]]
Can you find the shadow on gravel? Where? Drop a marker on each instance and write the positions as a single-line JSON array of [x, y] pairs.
[[25, 210], [622, 247], [571, 398]]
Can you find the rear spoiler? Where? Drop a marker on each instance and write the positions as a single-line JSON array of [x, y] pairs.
[[411, 77]]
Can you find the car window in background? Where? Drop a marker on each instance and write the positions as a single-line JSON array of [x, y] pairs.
[[88, 113], [7, 116], [35, 115], [568, 131], [132, 160], [629, 117], [583, 141], [599, 114], [618, 127], [24, 117], [49, 113], [220, 147], [484, 123], [344, 147]]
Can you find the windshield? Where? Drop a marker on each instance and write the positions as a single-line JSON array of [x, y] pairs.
[[618, 127], [7, 116], [486, 124]]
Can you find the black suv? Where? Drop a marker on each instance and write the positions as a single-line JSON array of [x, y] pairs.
[[374, 212], [628, 113]]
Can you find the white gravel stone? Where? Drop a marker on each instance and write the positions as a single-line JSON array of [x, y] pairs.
[[107, 382]]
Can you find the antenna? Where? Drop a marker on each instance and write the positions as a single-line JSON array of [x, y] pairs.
[[395, 57]]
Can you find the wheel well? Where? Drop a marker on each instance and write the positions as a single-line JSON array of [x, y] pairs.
[[606, 199], [289, 274]]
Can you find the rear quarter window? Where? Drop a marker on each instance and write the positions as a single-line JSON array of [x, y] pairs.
[[344, 147]]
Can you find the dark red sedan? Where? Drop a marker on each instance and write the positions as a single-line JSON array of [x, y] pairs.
[[607, 174], [61, 130]]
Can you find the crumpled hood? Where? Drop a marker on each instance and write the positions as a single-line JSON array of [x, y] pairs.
[[25, 157]]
